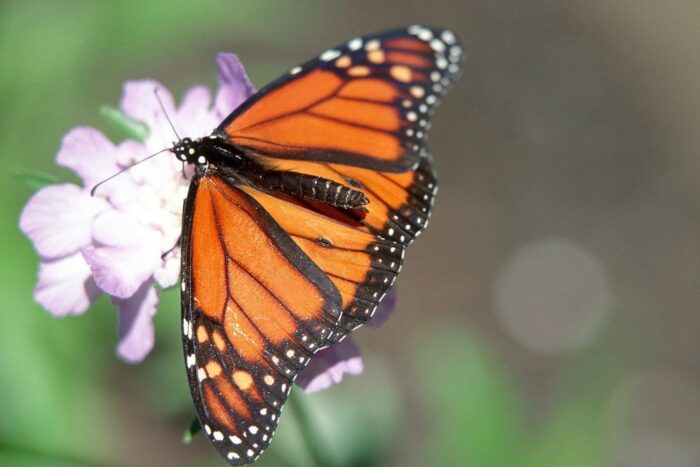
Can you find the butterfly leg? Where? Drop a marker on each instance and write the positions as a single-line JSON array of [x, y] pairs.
[[177, 245]]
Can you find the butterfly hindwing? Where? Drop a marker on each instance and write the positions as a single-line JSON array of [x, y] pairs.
[[399, 205], [255, 308], [366, 103], [361, 264]]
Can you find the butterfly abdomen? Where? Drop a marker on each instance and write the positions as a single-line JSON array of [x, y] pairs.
[[314, 188]]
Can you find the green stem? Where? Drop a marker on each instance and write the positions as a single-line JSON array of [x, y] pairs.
[[308, 430]]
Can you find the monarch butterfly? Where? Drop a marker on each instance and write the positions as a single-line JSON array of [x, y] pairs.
[[302, 203]]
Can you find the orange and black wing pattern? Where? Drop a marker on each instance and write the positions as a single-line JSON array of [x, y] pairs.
[[366, 103], [270, 278], [361, 265], [255, 308], [399, 203]]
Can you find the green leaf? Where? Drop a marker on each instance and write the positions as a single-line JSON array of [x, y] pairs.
[[125, 125], [35, 180], [194, 428]]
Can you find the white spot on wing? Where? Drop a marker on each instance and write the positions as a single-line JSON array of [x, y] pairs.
[[437, 45], [355, 44], [425, 35], [449, 37], [329, 55], [374, 44]]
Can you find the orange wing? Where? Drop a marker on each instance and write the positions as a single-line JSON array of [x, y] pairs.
[[366, 103], [255, 308], [398, 210], [360, 264], [399, 203]]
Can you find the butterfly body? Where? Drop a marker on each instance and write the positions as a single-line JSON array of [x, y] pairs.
[[214, 154], [298, 215]]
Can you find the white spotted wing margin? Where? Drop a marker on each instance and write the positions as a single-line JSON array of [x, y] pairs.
[[241, 362]]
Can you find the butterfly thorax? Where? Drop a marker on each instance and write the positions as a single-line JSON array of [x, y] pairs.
[[214, 154], [212, 149]]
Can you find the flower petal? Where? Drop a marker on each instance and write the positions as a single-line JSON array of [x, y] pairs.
[[168, 273], [328, 366], [194, 114], [140, 102], [125, 253], [136, 331], [195, 104], [88, 153], [385, 308], [234, 85], [65, 286], [58, 218]]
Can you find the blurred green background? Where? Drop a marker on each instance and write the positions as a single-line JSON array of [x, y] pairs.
[[548, 316]]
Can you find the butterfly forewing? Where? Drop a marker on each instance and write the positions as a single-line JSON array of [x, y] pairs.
[[255, 308], [365, 103]]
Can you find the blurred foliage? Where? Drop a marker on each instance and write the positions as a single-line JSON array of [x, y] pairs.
[[478, 419], [34, 179], [125, 126]]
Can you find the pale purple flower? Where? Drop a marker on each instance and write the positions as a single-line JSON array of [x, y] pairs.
[[122, 241], [328, 366]]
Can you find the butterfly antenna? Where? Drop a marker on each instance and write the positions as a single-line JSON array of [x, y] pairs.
[[160, 101], [94, 189]]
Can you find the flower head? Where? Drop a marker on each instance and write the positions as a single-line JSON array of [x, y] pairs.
[[123, 241]]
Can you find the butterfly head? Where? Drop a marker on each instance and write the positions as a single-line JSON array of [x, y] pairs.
[[189, 150]]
